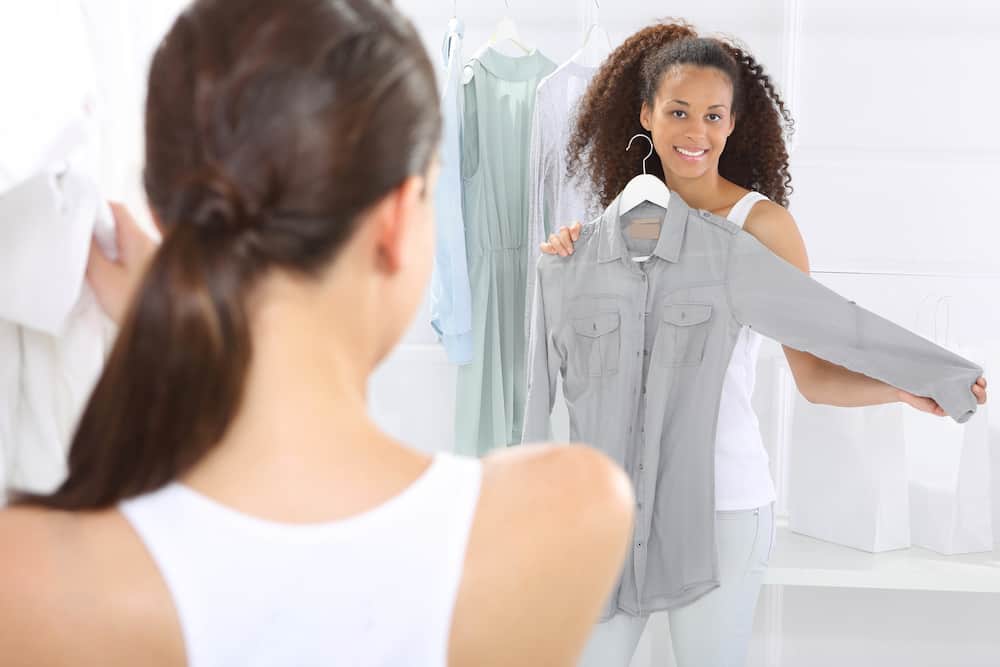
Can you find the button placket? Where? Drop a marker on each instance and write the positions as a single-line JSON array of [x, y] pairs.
[[638, 441]]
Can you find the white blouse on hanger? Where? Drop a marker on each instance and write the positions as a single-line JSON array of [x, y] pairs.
[[554, 199]]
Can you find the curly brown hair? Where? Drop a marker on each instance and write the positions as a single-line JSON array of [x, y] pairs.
[[755, 156]]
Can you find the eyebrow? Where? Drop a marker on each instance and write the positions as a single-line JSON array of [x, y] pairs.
[[714, 106]]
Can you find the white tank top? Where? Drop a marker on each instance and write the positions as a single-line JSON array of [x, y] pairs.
[[377, 588], [742, 476]]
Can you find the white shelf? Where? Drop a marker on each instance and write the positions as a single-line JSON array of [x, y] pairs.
[[798, 560]]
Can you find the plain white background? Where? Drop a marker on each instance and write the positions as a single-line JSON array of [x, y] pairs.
[[895, 163]]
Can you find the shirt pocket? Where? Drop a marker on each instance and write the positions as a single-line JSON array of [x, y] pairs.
[[597, 337], [680, 340]]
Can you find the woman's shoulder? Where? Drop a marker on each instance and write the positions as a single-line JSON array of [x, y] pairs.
[[74, 584], [775, 228], [549, 535], [767, 219]]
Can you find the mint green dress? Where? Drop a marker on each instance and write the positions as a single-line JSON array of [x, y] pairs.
[[499, 98]]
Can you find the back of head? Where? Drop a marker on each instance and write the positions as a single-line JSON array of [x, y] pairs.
[[271, 126]]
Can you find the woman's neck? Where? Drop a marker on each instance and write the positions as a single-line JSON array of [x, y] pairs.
[[304, 409], [709, 191]]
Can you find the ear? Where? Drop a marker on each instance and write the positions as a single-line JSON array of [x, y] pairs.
[[393, 217], [646, 117], [732, 124]]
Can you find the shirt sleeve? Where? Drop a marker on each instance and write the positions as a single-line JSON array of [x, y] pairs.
[[543, 364], [539, 189], [778, 300]]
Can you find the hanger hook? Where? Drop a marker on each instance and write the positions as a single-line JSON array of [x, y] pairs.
[[597, 3], [648, 155]]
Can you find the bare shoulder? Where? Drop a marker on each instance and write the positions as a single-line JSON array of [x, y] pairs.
[[774, 226], [31, 577], [767, 218], [549, 535], [27, 570], [546, 481], [79, 588], [544, 486], [557, 465]]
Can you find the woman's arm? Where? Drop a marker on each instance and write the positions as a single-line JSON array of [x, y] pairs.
[[818, 380]]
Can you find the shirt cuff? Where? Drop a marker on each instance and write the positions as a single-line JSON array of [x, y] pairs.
[[458, 347]]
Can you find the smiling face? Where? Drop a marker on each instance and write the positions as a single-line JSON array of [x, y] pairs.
[[690, 120]]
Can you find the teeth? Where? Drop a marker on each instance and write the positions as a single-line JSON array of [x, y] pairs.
[[690, 153]]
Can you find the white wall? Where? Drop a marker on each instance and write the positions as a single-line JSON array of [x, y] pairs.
[[894, 162]]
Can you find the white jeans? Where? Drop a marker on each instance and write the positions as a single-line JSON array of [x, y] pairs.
[[713, 631]]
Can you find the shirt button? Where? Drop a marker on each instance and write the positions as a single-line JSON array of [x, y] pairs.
[[642, 467], [638, 545], [645, 352]]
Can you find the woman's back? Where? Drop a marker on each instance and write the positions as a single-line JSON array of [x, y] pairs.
[[376, 588], [495, 563]]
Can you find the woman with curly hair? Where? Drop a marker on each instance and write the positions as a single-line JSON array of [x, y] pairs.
[[717, 125]]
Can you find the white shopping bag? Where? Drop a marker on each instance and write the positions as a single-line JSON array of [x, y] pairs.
[[847, 475], [949, 466]]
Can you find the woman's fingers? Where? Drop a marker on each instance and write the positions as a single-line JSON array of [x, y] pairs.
[[979, 391], [560, 241], [574, 231], [566, 239]]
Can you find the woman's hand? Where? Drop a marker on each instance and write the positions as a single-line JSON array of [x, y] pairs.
[[561, 242], [114, 283], [925, 404]]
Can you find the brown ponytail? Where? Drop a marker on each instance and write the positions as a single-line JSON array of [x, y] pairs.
[[755, 156], [270, 126]]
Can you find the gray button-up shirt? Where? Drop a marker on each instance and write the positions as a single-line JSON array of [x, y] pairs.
[[643, 350]]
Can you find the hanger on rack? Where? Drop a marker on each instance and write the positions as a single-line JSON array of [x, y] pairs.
[[506, 31], [642, 189], [596, 43]]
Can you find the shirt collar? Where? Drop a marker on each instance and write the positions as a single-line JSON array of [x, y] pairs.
[[612, 244]]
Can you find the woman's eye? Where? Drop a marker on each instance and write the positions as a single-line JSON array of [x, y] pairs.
[[714, 117], [677, 113]]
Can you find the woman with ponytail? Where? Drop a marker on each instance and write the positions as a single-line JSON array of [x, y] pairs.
[[228, 500], [718, 127]]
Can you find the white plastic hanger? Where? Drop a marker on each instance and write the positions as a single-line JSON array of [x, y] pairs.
[[644, 187], [506, 31], [596, 44]]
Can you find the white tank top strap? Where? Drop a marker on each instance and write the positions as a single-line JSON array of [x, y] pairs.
[[738, 214]]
